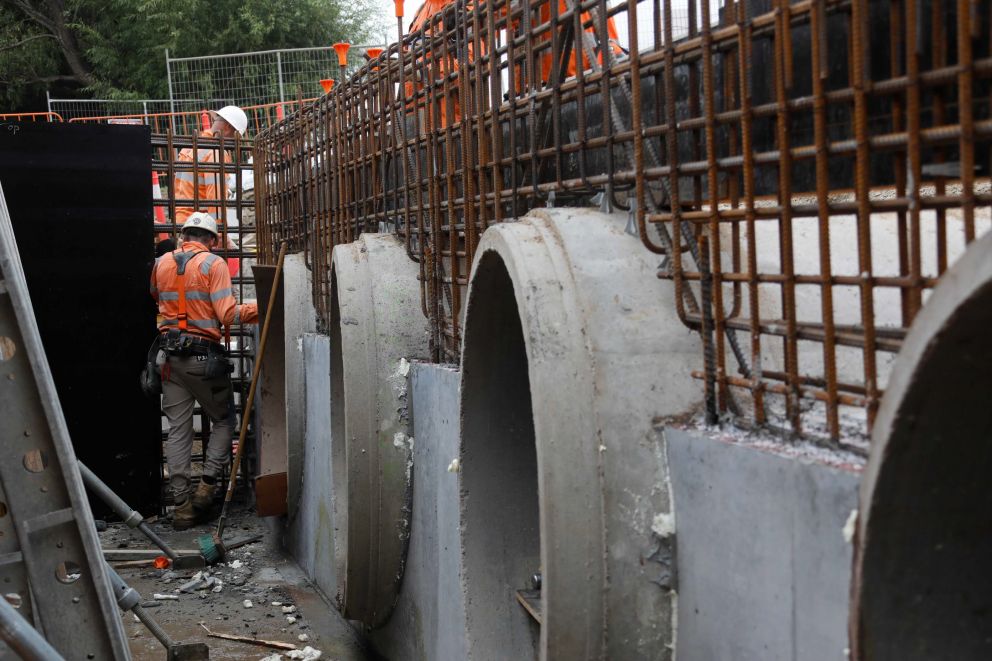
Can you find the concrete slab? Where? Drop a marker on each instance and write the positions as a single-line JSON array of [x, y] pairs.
[[311, 533], [429, 619], [299, 318], [763, 566]]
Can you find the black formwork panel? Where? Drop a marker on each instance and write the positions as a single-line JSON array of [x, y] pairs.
[[81, 203]]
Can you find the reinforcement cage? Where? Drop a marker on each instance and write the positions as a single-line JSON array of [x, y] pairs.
[[805, 170], [225, 190]]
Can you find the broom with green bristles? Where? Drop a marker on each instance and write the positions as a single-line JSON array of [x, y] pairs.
[[212, 546]]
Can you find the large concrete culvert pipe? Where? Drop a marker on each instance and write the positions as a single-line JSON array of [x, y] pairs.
[[376, 325], [572, 353], [922, 578]]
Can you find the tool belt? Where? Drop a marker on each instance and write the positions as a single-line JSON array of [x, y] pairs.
[[176, 343]]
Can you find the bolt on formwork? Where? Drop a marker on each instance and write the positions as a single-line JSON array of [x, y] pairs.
[[805, 171]]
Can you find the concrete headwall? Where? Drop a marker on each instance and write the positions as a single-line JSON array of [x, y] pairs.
[[429, 619], [300, 318], [763, 568], [311, 533], [763, 565]]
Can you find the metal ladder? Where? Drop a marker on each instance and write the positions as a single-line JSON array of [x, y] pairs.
[[51, 565]]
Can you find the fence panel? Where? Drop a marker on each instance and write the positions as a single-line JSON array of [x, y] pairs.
[[256, 78]]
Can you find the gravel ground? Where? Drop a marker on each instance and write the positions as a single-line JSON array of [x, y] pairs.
[[260, 573]]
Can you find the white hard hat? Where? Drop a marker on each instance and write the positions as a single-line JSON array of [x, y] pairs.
[[201, 220], [234, 116]]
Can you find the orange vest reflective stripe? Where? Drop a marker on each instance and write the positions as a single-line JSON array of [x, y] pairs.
[[204, 186], [193, 289], [181, 262]]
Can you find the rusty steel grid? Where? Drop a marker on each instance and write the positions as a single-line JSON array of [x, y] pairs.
[[235, 215], [805, 171]]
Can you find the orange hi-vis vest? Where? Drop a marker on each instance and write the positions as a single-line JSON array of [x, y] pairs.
[[208, 185], [431, 8], [192, 287]]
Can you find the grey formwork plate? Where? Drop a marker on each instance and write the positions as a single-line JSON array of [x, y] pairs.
[[50, 558]]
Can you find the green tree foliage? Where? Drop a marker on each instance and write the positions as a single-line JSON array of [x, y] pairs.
[[116, 48]]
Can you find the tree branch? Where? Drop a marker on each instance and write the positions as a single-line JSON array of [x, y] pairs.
[[54, 11], [25, 40], [45, 79], [36, 16]]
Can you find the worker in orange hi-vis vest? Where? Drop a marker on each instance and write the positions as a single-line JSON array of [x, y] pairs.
[[431, 8], [192, 287], [209, 187]]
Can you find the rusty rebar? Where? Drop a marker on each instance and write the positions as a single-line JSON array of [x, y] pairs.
[[837, 123]]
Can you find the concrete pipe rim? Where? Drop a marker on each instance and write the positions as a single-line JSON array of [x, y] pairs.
[[921, 586]]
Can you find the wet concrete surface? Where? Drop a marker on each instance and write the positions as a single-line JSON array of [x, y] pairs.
[[260, 572]]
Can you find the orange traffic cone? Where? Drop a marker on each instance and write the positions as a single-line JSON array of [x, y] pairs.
[[159, 210], [341, 48]]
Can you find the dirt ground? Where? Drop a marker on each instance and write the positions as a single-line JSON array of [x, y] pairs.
[[260, 572]]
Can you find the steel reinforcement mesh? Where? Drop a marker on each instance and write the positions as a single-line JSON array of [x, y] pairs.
[[234, 209], [805, 171]]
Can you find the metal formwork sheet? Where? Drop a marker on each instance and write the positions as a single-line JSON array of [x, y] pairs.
[[55, 565]]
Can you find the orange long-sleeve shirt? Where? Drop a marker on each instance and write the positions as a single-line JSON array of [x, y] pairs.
[[210, 301], [206, 186]]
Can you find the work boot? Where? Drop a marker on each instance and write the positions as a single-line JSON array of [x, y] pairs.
[[203, 498], [184, 516]]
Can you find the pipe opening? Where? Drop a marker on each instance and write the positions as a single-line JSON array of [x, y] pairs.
[[926, 585], [499, 482]]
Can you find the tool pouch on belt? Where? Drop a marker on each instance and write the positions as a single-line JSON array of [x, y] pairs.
[[218, 364], [150, 378]]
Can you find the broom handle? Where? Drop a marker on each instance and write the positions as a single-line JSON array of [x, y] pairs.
[[251, 391]]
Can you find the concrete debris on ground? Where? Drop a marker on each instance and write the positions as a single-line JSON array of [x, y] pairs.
[[260, 575], [306, 654]]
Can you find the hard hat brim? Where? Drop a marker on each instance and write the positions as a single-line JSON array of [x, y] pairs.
[[215, 115]]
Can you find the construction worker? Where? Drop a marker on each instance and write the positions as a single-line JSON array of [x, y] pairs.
[[422, 20], [192, 287], [227, 122]]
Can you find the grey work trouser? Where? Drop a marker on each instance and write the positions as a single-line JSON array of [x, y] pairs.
[[186, 385]]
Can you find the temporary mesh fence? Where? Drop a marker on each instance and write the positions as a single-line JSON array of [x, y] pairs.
[[805, 171], [31, 117], [255, 78], [186, 123], [70, 109]]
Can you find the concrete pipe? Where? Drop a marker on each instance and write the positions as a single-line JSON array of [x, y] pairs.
[[922, 586], [572, 354], [376, 326]]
